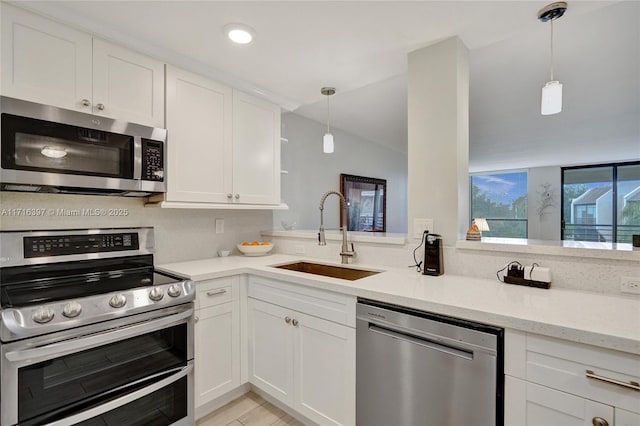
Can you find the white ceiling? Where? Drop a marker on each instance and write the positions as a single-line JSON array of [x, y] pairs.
[[359, 47]]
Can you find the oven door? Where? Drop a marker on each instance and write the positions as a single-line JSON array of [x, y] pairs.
[[135, 371]]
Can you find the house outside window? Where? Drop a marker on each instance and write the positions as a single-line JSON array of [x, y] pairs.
[[501, 198], [601, 202]]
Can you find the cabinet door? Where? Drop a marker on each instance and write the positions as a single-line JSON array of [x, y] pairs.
[[533, 405], [45, 62], [199, 138], [127, 85], [217, 351], [271, 350], [626, 418], [256, 150], [325, 371]]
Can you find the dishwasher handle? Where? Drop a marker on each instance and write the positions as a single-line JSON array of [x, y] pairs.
[[421, 341]]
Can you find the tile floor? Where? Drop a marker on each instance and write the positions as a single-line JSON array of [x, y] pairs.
[[248, 410]]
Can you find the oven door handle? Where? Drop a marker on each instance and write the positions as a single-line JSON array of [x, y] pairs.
[[55, 350], [123, 400]]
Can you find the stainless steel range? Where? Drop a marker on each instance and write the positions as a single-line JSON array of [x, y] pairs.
[[90, 333]]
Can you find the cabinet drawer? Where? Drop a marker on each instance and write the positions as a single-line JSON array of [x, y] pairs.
[[215, 292], [334, 307], [580, 370]]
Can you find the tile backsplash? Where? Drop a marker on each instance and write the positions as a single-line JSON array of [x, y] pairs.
[[568, 272], [181, 234]]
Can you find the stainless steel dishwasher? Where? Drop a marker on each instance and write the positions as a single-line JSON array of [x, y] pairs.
[[416, 368]]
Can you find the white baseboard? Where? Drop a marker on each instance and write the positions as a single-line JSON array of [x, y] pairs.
[[290, 411], [211, 406]]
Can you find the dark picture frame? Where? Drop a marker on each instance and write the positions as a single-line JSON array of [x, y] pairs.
[[366, 203]]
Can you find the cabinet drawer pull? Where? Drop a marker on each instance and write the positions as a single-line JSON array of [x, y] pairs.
[[100, 107], [631, 385], [599, 421], [85, 102], [295, 322], [287, 320], [216, 292]]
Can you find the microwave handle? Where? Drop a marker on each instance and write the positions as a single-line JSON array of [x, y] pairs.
[[137, 158], [56, 350], [123, 400]]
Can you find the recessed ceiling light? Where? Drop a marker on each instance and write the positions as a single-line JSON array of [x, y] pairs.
[[239, 33]]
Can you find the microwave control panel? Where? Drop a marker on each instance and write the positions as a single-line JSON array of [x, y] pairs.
[[152, 160]]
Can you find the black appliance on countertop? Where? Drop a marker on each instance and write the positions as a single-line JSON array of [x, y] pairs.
[[433, 264]]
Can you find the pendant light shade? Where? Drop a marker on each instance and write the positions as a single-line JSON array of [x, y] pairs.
[[327, 143], [551, 98], [327, 139], [551, 102]]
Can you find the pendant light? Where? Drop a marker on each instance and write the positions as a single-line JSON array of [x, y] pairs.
[[327, 140], [552, 91]]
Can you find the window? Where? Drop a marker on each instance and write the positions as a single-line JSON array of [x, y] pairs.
[[601, 202], [501, 198]]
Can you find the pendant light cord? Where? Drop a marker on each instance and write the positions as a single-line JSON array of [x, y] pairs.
[[328, 115], [551, 50]]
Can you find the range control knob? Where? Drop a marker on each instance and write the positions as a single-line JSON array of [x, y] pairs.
[[42, 315], [118, 301], [72, 309], [156, 294], [174, 290]]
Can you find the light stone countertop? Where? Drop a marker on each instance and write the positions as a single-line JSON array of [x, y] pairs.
[[607, 321]]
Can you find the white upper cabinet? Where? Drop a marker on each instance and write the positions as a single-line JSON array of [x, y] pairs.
[[199, 139], [50, 63], [223, 145], [256, 150], [127, 85], [45, 62]]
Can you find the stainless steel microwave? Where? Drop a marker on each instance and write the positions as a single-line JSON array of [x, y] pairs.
[[49, 149]]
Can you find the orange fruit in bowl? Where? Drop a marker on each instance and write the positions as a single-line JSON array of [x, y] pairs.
[[265, 243], [246, 244]]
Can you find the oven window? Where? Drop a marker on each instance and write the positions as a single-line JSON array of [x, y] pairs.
[[38, 145], [58, 388], [160, 408]]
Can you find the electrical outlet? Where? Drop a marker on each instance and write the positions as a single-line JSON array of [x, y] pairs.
[[299, 249], [219, 226], [630, 285], [420, 225]]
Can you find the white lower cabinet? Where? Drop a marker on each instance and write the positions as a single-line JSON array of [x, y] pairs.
[[531, 404], [271, 349], [217, 339], [304, 361], [555, 382]]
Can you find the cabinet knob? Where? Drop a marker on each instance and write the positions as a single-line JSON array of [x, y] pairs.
[[294, 322], [100, 107], [287, 320], [229, 195], [196, 319], [599, 421], [237, 196], [85, 102]]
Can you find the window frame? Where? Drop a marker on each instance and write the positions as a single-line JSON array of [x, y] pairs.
[[614, 187], [500, 172]]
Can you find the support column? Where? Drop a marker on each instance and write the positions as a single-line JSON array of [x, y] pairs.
[[438, 137]]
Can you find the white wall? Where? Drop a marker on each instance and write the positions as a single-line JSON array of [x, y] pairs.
[[181, 234], [312, 173], [547, 226]]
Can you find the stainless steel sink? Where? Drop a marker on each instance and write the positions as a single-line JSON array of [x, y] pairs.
[[350, 274]]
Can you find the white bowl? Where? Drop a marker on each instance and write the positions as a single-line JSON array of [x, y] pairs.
[[255, 250]]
